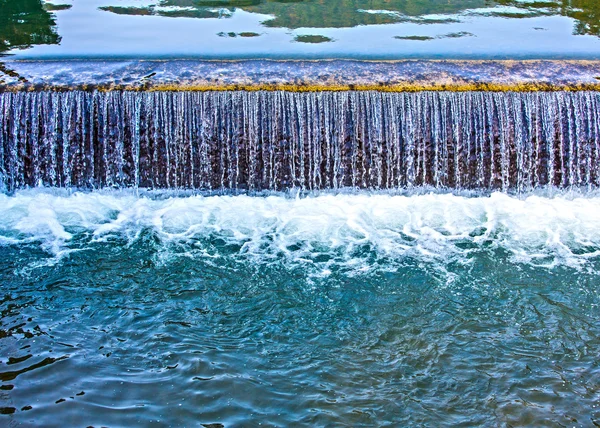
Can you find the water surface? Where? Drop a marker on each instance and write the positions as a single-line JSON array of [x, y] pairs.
[[304, 29], [353, 309]]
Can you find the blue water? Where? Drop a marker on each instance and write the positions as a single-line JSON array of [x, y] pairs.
[[394, 29], [355, 309], [130, 307]]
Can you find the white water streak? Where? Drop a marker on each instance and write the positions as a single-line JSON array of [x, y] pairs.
[[356, 230]]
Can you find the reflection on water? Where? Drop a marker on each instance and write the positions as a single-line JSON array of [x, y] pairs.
[[585, 12], [350, 13], [27, 22], [285, 29], [295, 14]]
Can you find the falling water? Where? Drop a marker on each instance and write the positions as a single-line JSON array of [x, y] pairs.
[[279, 140]]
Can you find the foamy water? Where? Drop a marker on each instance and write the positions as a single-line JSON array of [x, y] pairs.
[[124, 309], [360, 231]]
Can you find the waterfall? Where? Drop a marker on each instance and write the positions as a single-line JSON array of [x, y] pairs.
[[242, 140]]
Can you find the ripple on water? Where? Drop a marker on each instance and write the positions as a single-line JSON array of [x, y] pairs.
[[323, 310]]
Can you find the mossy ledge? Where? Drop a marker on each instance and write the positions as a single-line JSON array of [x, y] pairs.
[[300, 76]]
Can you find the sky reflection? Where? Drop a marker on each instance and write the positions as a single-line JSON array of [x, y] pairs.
[[373, 29]]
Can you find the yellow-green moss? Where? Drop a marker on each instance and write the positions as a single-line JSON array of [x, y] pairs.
[[316, 76], [460, 87]]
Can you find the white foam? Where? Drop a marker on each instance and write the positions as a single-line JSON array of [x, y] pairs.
[[356, 230]]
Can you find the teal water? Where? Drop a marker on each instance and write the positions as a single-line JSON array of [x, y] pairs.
[[301, 29], [334, 308], [345, 309]]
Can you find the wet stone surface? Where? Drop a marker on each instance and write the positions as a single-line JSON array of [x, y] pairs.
[[410, 75]]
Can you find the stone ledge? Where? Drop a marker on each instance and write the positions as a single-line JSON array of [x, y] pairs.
[[321, 75]]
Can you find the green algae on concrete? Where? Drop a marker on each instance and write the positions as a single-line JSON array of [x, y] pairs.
[[323, 75]]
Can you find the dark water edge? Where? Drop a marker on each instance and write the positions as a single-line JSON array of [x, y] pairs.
[[174, 320]]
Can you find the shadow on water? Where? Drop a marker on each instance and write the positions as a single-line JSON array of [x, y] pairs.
[[295, 14], [24, 23]]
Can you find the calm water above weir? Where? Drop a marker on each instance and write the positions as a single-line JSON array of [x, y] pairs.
[[301, 29]]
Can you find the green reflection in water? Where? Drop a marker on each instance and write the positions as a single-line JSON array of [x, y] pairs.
[[585, 12], [311, 38], [309, 13], [294, 14], [24, 23]]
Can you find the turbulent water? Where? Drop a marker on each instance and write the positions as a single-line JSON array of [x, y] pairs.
[[280, 140], [433, 259], [320, 309], [355, 232]]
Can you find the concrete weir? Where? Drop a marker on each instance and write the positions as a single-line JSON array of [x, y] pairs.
[[275, 125], [301, 75]]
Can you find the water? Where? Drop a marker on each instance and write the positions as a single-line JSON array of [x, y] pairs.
[[324, 259], [252, 141], [339, 258], [353, 309], [370, 29]]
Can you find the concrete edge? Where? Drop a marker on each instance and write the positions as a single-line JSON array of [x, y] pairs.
[[304, 75]]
